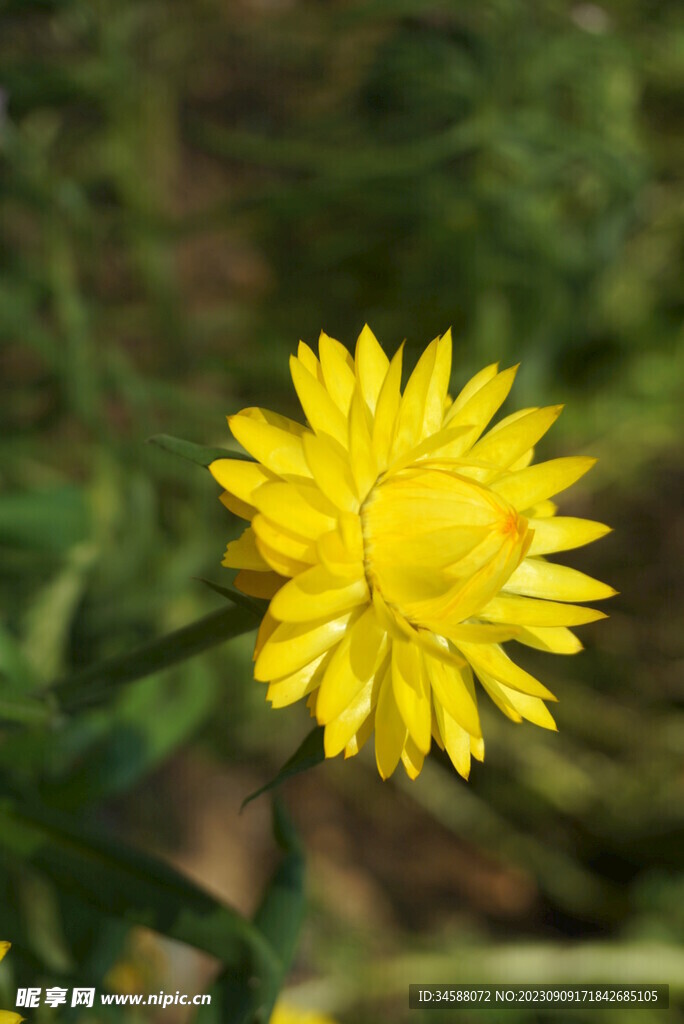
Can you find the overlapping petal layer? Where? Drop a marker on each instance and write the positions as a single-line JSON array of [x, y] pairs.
[[401, 543]]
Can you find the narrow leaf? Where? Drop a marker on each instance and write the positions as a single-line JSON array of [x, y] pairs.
[[95, 684], [309, 753], [128, 884], [255, 604], [200, 454]]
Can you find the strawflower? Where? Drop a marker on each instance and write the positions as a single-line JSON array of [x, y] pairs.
[[6, 1016], [400, 546]]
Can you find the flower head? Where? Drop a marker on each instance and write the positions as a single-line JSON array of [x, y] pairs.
[[400, 546], [6, 1016]]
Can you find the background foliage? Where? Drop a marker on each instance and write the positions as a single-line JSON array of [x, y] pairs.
[[186, 189]]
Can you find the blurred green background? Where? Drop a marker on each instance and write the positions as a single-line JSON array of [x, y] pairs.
[[186, 189]]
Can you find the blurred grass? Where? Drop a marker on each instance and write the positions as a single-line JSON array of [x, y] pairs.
[[185, 190]]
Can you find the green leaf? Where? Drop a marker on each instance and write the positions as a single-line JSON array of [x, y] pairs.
[[96, 684], [200, 454], [240, 995], [307, 755], [256, 604], [125, 883]]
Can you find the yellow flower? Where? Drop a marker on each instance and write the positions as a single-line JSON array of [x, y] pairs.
[[5, 1016], [401, 548], [289, 1015]]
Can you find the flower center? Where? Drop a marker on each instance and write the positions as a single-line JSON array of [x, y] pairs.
[[437, 545]]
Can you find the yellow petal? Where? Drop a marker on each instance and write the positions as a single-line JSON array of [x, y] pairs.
[[412, 692], [4, 949], [341, 730], [412, 759], [386, 410], [244, 554], [363, 463], [258, 584], [307, 358], [481, 633], [371, 366], [536, 578], [491, 660], [390, 731], [526, 487], [561, 533], [272, 539], [472, 387], [338, 557], [330, 469], [338, 371], [520, 705], [357, 742], [555, 639], [293, 645], [239, 477], [439, 449], [273, 440], [422, 405], [316, 593], [299, 508], [237, 507], [454, 689], [353, 664], [323, 415], [526, 611], [455, 739], [477, 747], [480, 408], [282, 692], [9, 1018], [504, 444]]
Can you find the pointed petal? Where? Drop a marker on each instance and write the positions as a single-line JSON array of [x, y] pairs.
[[330, 469], [308, 359], [504, 444], [561, 533], [527, 611], [455, 739], [536, 578], [283, 692], [320, 410], [474, 385], [293, 645], [362, 460], [491, 660], [390, 731], [273, 440], [316, 593], [341, 730], [354, 663], [526, 487], [480, 408], [412, 692], [454, 689], [386, 410], [338, 371], [412, 759], [371, 366], [555, 639]]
